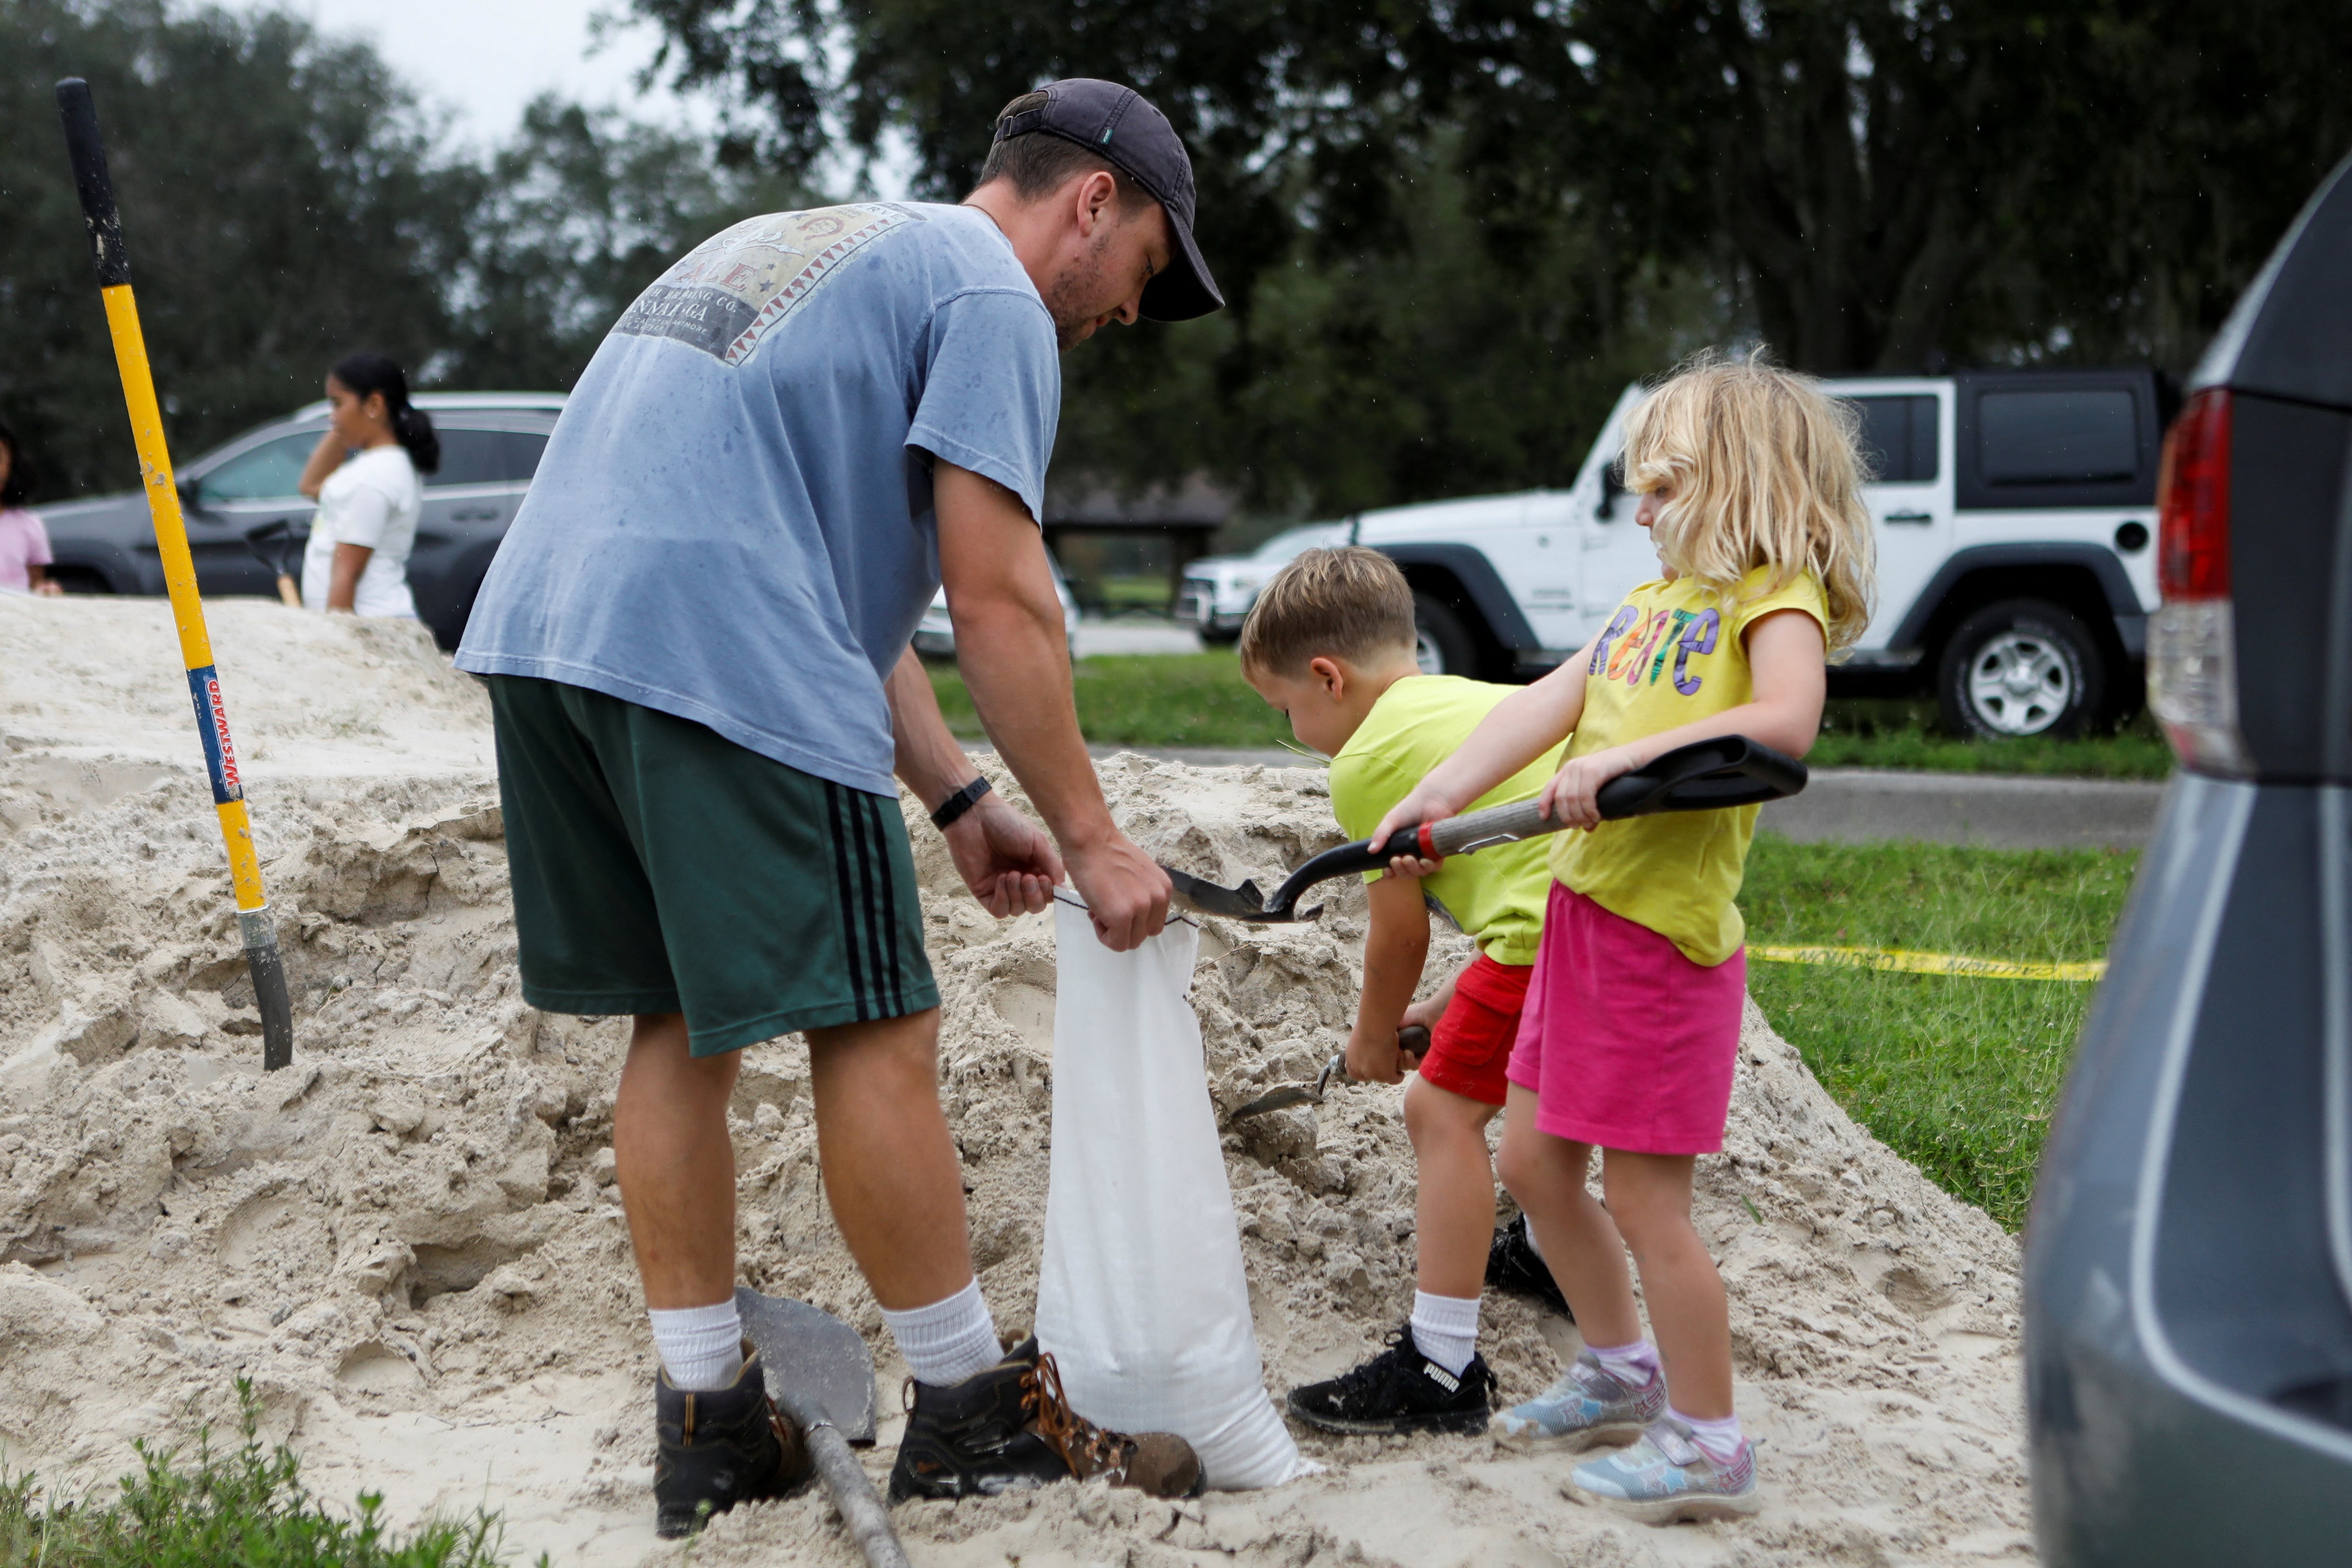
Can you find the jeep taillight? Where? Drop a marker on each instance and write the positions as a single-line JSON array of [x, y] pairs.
[[2193, 663]]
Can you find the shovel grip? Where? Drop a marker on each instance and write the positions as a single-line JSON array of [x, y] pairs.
[[87, 153], [862, 1513]]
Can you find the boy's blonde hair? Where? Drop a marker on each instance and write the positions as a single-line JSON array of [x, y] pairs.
[[1766, 471], [1349, 603]]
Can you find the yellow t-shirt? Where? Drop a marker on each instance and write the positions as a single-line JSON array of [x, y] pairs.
[[1497, 896], [1673, 653]]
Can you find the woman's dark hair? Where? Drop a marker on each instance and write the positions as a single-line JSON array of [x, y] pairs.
[[365, 373], [22, 476]]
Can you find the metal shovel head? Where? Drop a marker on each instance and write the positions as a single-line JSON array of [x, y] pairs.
[[1242, 903], [818, 1366]]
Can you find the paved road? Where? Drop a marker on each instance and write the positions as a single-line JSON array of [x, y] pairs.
[[1857, 805]]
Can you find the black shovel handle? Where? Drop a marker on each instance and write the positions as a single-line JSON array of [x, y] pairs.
[[1705, 776]]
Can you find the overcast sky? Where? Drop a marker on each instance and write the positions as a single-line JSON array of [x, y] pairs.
[[485, 59]]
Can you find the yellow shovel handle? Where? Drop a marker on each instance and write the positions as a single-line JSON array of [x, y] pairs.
[[96, 188]]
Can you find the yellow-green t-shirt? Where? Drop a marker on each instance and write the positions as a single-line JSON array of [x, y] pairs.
[[1672, 654], [1497, 896]]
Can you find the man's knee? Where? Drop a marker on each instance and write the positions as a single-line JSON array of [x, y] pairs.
[[903, 1048]]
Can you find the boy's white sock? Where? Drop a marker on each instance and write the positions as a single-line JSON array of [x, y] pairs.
[[1446, 1329], [701, 1348], [948, 1340], [1631, 1365], [1719, 1441]]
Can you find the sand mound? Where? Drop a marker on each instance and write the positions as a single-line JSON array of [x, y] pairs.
[[410, 1244]]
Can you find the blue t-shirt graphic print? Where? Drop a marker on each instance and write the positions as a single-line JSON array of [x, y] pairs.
[[733, 522]]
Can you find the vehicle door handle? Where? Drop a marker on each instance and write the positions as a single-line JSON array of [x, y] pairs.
[[1908, 517], [481, 515]]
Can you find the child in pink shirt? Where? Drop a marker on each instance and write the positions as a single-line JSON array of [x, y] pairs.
[[23, 543]]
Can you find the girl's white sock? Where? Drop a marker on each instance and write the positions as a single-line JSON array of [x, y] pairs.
[[701, 1348], [948, 1340], [1719, 1441], [1631, 1365], [1446, 1329]]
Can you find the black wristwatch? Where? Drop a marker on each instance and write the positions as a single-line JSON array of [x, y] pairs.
[[957, 804]]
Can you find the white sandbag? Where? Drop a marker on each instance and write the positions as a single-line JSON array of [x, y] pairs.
[[1142, 1298]]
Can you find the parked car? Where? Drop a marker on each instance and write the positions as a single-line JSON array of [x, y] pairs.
[[2014, 512], [1220, 588], [491, 445], [935, 633], [2189, 1260]]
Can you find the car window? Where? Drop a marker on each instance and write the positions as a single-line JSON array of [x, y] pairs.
[[2073, 437], [522, 450], [1899, 438], [271, 472], [487, 457]]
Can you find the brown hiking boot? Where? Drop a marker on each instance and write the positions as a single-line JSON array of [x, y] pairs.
[[1011, 1428]]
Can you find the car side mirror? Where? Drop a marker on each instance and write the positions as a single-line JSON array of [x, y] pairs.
[[1611, 486]]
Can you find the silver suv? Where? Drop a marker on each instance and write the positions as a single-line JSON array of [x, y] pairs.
[[491, 445], [2189, 1260]]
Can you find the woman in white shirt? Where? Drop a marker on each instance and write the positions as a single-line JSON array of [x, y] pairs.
[[364, 478]]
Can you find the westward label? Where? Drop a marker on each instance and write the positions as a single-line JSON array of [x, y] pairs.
[[733, 290], [212, 727]]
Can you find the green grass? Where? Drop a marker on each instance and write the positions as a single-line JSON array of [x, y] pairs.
[[1955, 1074], [1906, 732], [1149, 699], [247, 1506], [1199, 699]]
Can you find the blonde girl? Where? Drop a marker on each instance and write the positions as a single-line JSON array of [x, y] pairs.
[[1750, 487]]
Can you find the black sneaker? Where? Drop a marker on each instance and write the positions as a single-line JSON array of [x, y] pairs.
[[1399, 1390], [720, 1447], [1010, 1428], [1512, 1265]]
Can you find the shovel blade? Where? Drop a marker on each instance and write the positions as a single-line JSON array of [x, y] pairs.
[[818, 1367], [1242, 903]]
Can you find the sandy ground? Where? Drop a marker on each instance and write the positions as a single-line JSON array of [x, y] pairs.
[[411, 1245]]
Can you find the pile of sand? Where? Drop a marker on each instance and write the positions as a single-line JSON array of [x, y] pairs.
[[410, 1244]]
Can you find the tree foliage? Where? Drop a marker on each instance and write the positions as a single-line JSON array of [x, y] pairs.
[[281, 205], [284, 202], [1864, 184]]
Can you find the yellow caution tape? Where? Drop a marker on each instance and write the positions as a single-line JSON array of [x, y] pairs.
[[1929, 963]]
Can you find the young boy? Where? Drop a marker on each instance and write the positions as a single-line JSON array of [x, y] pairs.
[[1331, 643]]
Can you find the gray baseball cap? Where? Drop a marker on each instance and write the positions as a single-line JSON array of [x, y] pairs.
[[1121, 125]]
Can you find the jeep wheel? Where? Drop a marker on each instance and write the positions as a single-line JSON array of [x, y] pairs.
[[1443, 645], [2020, 667]]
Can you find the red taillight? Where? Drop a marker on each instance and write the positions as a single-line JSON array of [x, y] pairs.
[[2192, 502]]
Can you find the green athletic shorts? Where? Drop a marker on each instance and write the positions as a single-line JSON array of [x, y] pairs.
[[660, 868]]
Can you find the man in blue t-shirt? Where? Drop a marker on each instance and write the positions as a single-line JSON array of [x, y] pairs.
[[696, 638]]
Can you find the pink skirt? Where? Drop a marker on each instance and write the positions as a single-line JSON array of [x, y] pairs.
[[1625, 1043]]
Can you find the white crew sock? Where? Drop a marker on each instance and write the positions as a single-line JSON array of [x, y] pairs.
[[1719, 1441], [948, 1340], [1631, 1365], [1446, 1329], [701, 1348]]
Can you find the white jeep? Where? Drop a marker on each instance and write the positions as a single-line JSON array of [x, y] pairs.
[[2014, 512]]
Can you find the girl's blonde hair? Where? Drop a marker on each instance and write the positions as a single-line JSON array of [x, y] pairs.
[[1767, 472]]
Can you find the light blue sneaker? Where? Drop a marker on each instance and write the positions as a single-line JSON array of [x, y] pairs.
[[1586, 1407], [1665, 1477]]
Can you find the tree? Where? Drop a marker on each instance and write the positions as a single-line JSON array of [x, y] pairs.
[[1872, 184], [282, 206], [580, 212], [1893, 184], [1377, 348]]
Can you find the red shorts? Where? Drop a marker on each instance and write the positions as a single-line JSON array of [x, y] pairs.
[[1627, 1043], [1470, 1049]]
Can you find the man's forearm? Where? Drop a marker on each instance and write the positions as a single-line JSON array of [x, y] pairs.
[[1016, 666], [929, 760]]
